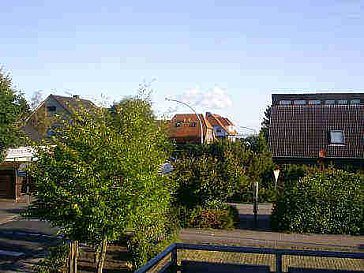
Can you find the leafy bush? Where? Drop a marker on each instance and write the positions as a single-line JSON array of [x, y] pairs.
[[217, 218], [55, 262], [329, 201]]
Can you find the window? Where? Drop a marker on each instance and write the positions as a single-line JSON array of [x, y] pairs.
[[355, 101], [51, 108], [193, 124], [285, 102], [314, 102], [299, 102], [337, 137], [329, 102], [342, 102], [178, 124]]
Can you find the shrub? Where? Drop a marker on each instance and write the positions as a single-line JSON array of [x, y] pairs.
[[217, 218], [55, 261], [330, 201]]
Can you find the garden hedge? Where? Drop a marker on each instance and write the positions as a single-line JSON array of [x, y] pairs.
[[329, 201]]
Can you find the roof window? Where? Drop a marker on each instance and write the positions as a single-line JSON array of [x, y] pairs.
[[329, 102], [299, 102], [314, 102], [342, 102], [285, 102], [337, 137]]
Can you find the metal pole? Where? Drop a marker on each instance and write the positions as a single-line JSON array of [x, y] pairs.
[[198, 117], [255, 204]]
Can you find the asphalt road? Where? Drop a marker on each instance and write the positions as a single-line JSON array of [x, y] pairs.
[[23, 242]]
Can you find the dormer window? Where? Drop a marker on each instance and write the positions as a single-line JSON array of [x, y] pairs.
[[355, 101], [329, 102], [299, 102], [342, 102], [285, 102], [337, 137], [51, 108]]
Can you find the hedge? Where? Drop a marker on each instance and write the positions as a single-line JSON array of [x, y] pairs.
[[329, 201]]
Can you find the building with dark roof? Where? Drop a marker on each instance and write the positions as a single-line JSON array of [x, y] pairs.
[[312, 127], [39, 124]]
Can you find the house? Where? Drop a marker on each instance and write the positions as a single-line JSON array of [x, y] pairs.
[[329, 127], [42, 120], [39, 125], [223, 127], [185, 128], [14, 181]]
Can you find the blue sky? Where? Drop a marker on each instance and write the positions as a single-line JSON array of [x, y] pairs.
[[226, 57]]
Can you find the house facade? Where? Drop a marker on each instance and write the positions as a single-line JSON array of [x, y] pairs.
[[41, 121], [185, 128], [223, 127], [305, 128], [14, 181]]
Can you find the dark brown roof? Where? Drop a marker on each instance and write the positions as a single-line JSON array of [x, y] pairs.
[[302, 131], [276, 98], [73, 103]]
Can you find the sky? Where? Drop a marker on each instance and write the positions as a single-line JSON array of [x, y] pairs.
[[222, 56]]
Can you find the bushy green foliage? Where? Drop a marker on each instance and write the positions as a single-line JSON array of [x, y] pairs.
[[13, 107], [330, 201], [222, 217], [213, 176], [55, 261], [100, 178]]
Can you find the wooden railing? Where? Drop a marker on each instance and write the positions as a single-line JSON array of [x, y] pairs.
[[172, 266]]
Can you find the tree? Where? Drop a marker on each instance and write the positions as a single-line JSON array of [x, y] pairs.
[[13, 107], [266, 123], [100, 179]]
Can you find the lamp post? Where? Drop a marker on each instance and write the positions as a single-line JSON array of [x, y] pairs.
[[198, 117]]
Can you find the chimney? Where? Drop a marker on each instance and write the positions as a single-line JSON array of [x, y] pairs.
[[76, 96], [208, 114]]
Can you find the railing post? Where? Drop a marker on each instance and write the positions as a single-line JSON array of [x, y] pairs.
[[174, 259], [278, 262]]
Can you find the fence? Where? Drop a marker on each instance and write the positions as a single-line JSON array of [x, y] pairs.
[[171, 252]]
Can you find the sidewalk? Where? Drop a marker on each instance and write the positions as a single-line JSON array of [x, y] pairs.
[[273, 239], [262, 236], [10, 210]]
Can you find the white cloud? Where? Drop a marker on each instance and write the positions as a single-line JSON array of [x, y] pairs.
[[215, 98]]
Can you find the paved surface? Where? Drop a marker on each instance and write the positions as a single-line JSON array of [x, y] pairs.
[[262, 236], [22, 241], [9, 210]]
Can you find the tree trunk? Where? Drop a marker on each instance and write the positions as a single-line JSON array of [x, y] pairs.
[[100, 264], [72, 257]]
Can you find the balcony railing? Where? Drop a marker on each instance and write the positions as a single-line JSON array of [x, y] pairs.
[[169, 256]]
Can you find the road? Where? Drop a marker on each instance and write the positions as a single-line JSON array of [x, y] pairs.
[[22, 241]]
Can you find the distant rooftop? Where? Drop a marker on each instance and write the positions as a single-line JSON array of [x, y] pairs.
[[318, 99]]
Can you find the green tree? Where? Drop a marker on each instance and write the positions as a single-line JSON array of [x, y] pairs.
[[266, 123], [13, 107], [100, 179]]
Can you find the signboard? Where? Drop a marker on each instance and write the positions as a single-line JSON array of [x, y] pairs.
[[22, 154], [20, 173]]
